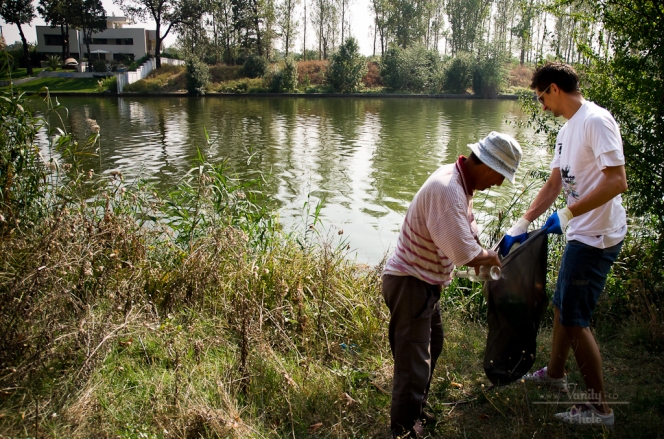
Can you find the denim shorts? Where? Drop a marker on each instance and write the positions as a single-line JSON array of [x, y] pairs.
[[581, 280]]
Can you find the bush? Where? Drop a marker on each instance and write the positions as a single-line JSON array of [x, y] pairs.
[[139, 62], [22, 171], [415, 69], [312, 72], [289, 75], [520, 76], [54, 61], [372, 77], [167, 78], [488, 76], [255, 66], [198, 77], [458, 75], [347, 68], [99, 65], [221, 73]]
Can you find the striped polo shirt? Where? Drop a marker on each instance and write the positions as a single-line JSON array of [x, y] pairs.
[[439, 230]]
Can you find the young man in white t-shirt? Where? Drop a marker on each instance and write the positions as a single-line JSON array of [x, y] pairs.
[[588, 166]]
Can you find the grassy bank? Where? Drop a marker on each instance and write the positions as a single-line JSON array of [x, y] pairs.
[[67, 85], [127, 313]]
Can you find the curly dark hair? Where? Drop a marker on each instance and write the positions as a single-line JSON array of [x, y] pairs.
[[563, 75]]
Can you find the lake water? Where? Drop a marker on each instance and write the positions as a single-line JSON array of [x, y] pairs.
[[363, 158]]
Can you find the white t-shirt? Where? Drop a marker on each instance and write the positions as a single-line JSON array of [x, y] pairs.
[[589, 142]]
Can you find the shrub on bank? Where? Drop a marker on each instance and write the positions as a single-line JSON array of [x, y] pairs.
[[197, 76], [284, 80], [488, 76], [221, 73], [347, 68], [312, 72], [414, 69], [459, 73], [255, 66], [168, 78], [372, 76]]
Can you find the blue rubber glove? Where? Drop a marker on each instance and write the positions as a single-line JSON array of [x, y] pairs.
[[558, 221], [515, 235]]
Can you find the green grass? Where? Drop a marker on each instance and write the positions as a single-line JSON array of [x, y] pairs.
[[83, 85], [19, 73]]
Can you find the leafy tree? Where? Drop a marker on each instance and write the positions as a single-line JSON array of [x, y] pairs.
[[630, 84], [165, 13], [287, 23], [458, 74], [489, 74], [466, 18], [289, 81], [415, 69], [19, 12], [59, 13], [197, 76], [224, 36], [380, 9], [253, 20], [523, 29], [91, 18], [255, 66], [506, 11], [324, 18], [347, 67], [406, 21]]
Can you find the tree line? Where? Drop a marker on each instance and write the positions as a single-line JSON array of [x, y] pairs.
[[230, 30]]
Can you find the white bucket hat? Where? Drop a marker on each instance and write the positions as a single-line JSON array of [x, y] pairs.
[[500, 152]]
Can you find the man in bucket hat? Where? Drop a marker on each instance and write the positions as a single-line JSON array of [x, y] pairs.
[[438, 233]]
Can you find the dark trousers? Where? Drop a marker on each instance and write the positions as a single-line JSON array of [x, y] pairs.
[[416, 340]]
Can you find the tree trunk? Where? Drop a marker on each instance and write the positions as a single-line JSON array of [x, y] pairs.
[[26, 51], [87, 45], [254, 9], [67, 52], [375, 33], [157, 45], [304, 39], [343, 11], [62, 34]]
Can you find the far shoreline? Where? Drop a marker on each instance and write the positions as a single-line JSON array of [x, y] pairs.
[[512, 97]]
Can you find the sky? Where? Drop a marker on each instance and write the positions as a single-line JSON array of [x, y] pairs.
[[361, 21]]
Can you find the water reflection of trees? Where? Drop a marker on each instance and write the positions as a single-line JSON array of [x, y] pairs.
[[366, 157]]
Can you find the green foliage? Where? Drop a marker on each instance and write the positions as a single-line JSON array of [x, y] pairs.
[[289, 80], [99, 65], [197, 76], [136, 64], [22, 171], [54, 61], [284, 80], [414, 69], [347, 67], [630, 84], [459, 73], [255, 66], [489, 75]]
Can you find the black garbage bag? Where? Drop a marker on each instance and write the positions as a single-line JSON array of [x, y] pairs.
[[517, 302]]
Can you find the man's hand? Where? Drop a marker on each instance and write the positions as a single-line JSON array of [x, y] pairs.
[[557, 223], [516, 234]]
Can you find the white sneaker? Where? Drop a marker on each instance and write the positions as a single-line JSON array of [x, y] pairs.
[[542, 377], [586, 414]]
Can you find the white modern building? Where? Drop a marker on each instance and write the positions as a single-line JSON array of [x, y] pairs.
[[117, 42]]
